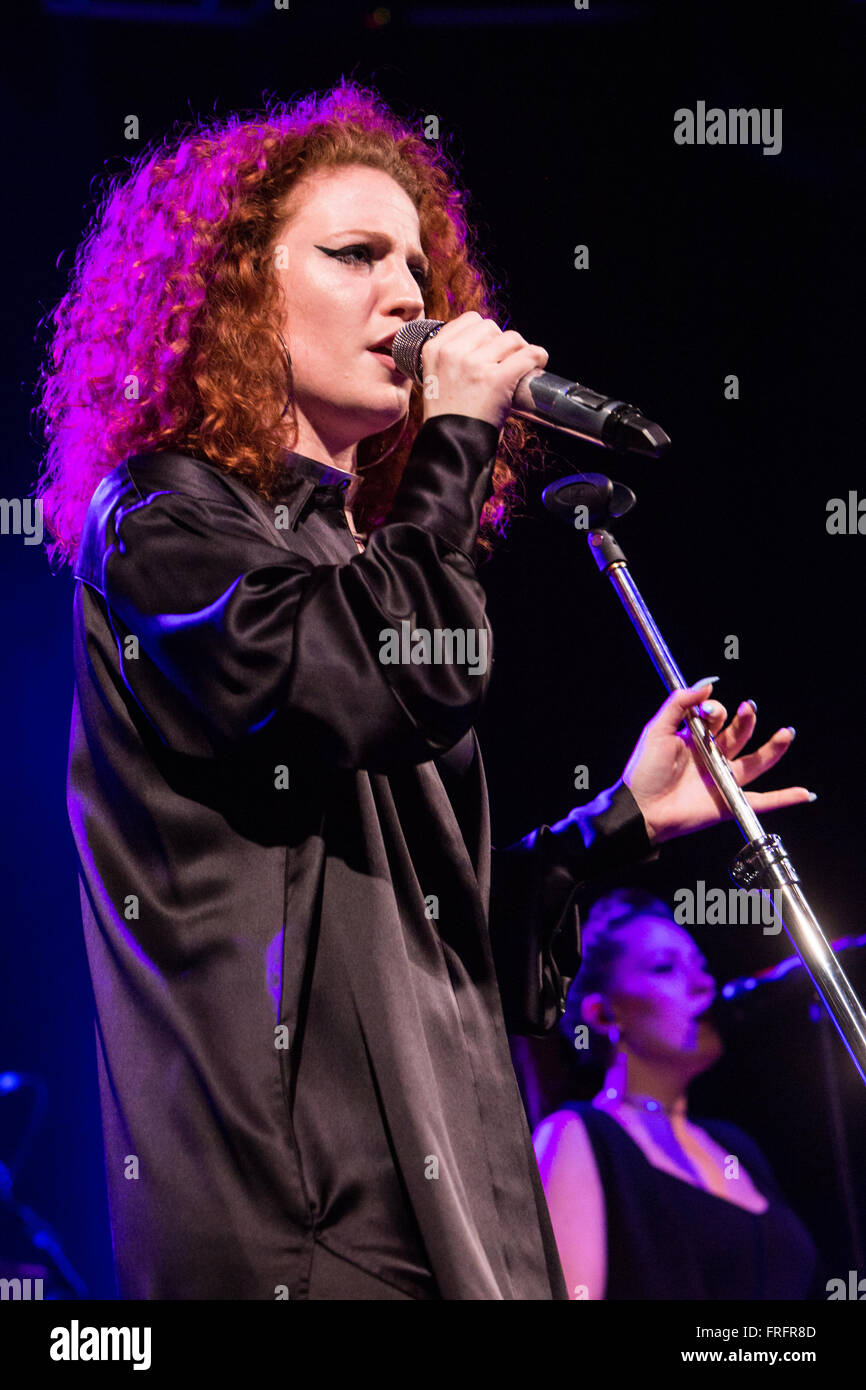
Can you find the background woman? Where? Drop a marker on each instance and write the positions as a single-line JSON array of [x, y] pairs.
[[647, 1203]]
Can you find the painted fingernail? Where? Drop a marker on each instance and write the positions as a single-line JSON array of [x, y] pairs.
[[813, 796], [754, 706], [792, 731], [707, 709], [707, 680]]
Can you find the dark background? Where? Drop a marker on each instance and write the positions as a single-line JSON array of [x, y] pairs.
[[704, 261]]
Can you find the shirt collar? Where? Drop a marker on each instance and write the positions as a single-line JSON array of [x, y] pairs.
[[307, 480]]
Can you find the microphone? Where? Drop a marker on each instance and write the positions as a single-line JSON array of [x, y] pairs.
[[552, 400], [747, 983]]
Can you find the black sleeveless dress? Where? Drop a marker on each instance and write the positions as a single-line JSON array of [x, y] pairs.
[[667, 1239]]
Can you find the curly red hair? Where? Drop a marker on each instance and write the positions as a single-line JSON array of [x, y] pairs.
[[168, 335]]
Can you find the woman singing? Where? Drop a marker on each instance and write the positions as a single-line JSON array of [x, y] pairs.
[[646, 1202], [305, 952]]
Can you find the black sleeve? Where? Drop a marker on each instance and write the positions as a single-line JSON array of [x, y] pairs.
[[252, 635], [534, 921]]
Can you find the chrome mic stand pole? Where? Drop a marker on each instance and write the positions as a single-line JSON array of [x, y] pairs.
[[763, 863]]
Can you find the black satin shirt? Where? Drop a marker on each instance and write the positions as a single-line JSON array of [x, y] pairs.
[[305, 952]]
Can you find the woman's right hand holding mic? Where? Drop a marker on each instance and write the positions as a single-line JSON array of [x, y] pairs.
[[471, 367]]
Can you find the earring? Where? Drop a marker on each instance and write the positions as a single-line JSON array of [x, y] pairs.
[[289, 365], [377, 461]]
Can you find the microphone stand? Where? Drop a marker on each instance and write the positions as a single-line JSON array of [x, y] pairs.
[[838, 1133], [763, 863], [752, 987]]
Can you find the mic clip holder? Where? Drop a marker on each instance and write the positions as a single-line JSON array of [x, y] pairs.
[[763, 864]]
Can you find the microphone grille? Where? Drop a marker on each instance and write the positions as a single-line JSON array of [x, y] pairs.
[[407, 345]]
